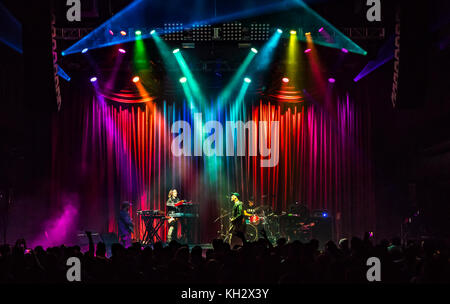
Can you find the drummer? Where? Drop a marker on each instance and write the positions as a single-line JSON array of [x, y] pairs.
[[250, 209]]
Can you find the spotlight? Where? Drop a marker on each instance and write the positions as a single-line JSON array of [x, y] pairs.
[[285, 79], [331, 80], [279, 31], [183, 79], [247, 80], [123, 33], [111, 32], [344, 50], [122, 51], [254, 50], [307, 51], [293, 32], [93, 79], [84, 50], [136, 79], [320, 30], [138, 33], [308, 34], [152, 32], [175, 51], [324, 214]]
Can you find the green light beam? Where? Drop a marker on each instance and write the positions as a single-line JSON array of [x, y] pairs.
[[237, 77], [240, 98], [193, 84]]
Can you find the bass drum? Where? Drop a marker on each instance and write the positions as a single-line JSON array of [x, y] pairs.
[[251, 233]]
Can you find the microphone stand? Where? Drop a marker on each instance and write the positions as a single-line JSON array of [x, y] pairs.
[[221, 233]]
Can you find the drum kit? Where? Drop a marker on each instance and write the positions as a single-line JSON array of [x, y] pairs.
[[263, 218]]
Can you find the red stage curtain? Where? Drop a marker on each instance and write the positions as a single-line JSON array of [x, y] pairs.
[[111, 152]]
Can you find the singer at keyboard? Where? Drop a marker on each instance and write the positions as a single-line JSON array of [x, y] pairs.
[[171, 210]]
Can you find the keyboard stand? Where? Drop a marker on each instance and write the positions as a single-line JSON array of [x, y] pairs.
[[151, 232]]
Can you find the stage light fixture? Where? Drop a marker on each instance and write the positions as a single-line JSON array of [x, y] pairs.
[[232, 31], [280, 31], [173, 31], [111, 32], [292, 32], [123, 33], [285, 79], [247, 80], [254, 50], [236, 79], [259, 31], [202, 32], [183, 79], [344, 50], [138, 33], [175, 51], [152, 32], [93, 79], [307, 51], [136, 79], [331, 80], [84, 50], [308, 34], [320, 30], [122, 51]]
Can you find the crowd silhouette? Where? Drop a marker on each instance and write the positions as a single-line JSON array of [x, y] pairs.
[[416, 262]]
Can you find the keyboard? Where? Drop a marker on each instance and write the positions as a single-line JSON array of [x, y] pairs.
[[152, 213], [182, 214], [184, 203]]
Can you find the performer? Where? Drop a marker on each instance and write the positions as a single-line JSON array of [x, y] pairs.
[[171, 209], [250, 210], [237, 219], [125, 224]]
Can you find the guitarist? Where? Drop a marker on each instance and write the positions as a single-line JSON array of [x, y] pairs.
[[237, 219], [126, 227]]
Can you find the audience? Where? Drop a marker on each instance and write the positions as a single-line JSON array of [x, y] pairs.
[[253, 262]]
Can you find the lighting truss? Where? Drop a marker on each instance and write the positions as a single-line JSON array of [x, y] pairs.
[[72, 33], [365, 33]]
